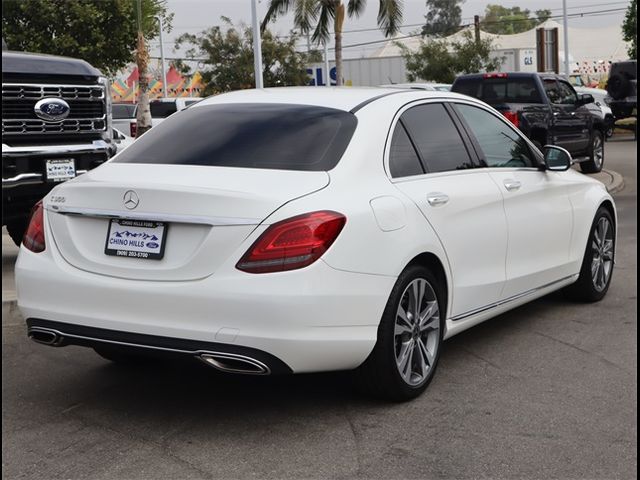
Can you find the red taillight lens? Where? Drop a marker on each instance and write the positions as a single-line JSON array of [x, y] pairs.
[[133, 129], [34, 236], [293, 243], [512, 117]]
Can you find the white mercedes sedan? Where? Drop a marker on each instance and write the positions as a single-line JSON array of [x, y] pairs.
[[311, 229]]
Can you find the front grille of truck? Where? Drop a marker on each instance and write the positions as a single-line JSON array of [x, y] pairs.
[[87, 105]]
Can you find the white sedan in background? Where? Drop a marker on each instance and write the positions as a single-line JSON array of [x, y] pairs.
[[600, 107], [302, 230]]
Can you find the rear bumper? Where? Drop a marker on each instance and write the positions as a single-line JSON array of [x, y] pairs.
[[312, 319]]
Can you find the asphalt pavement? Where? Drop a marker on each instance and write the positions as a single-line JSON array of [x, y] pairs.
[[548, 390]]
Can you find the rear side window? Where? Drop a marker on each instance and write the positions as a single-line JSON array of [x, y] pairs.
[[247, 135], [499, 90], [403, 159], [436, 138], [162, 109]]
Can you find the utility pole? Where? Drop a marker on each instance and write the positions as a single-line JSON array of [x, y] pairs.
[[326, 65], [476, 27], [164, 68], [565, 28], [257, 46]]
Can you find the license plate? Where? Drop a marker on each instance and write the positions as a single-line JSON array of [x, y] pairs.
[[136, 239], [60, 169]]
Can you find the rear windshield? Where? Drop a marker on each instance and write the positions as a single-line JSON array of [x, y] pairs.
[[499, 90], [247, 135], [162, 109], [123, 111]]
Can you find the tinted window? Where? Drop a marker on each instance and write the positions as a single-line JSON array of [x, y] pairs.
[[436, 138], [162, 109], [249, 135], [501, 145], [553, 92], [499, 90], [403, 159], [123, 111], [567, 94]]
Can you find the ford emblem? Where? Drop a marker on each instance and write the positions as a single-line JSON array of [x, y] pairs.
[[52, 109]]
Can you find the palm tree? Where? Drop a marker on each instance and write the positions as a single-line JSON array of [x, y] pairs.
[[322, 12]]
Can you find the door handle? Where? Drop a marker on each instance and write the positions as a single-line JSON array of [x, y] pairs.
[[435, 199], [512, 185]]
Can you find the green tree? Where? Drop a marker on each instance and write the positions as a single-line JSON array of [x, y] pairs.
[[228, 58], [324, 12], [442, 60], [443, 18], [506, 21], [630, 29], [102, 32]]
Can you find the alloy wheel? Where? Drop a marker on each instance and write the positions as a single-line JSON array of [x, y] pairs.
[[602, 248], [598, 150], [417, 332]]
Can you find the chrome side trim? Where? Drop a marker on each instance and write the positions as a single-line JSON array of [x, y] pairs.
[[156, 217], [28, 179], [509, 300], [97, 146], [197, 353]]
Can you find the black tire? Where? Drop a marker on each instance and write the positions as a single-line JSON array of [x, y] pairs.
[[585, 288], [609, 126], [379, 375], [596, 154], [16, 230], [121, 355]]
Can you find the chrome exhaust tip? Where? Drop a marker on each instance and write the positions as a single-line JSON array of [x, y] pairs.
[[45, 336], [231, 363]]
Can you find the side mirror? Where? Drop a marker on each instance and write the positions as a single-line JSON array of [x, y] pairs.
[[556, 159], [585, 98]]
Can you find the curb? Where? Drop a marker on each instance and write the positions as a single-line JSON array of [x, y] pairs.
[[617, 182]]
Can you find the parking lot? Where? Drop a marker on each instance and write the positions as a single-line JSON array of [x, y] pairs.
[[548, 390]]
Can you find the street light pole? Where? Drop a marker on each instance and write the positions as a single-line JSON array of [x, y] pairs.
[[326, 64], [257, 46], [164, 71], [565, 27]]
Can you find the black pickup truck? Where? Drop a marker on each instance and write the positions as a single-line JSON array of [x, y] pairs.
[[546, 108], [56, 124]]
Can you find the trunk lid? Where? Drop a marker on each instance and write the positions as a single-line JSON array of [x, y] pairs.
[[208, 212]]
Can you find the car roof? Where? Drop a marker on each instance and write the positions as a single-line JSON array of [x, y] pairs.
[[341, 98]]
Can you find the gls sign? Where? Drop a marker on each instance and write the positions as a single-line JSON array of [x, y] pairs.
[[316, 76]]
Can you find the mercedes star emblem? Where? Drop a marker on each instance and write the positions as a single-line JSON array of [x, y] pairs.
[[130, 199]]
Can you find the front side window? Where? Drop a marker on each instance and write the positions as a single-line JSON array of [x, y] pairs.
[[567, 94], [500, 144], [436, 138], [247, 135], [553, 92]]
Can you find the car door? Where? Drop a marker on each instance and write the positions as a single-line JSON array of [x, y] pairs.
[[567, 127], [430, 163], [538, 211], [579, 114]]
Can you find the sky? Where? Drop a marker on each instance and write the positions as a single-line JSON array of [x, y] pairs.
[[193, 16]]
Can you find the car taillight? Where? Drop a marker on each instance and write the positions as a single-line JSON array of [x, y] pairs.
[[293, 243], [34, 236], [133, 129], [512, 117], [494, 75]]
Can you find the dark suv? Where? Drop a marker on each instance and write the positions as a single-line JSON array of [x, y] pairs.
[[546, 108]]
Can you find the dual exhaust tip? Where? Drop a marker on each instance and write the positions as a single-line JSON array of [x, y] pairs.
[[225, 362]]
